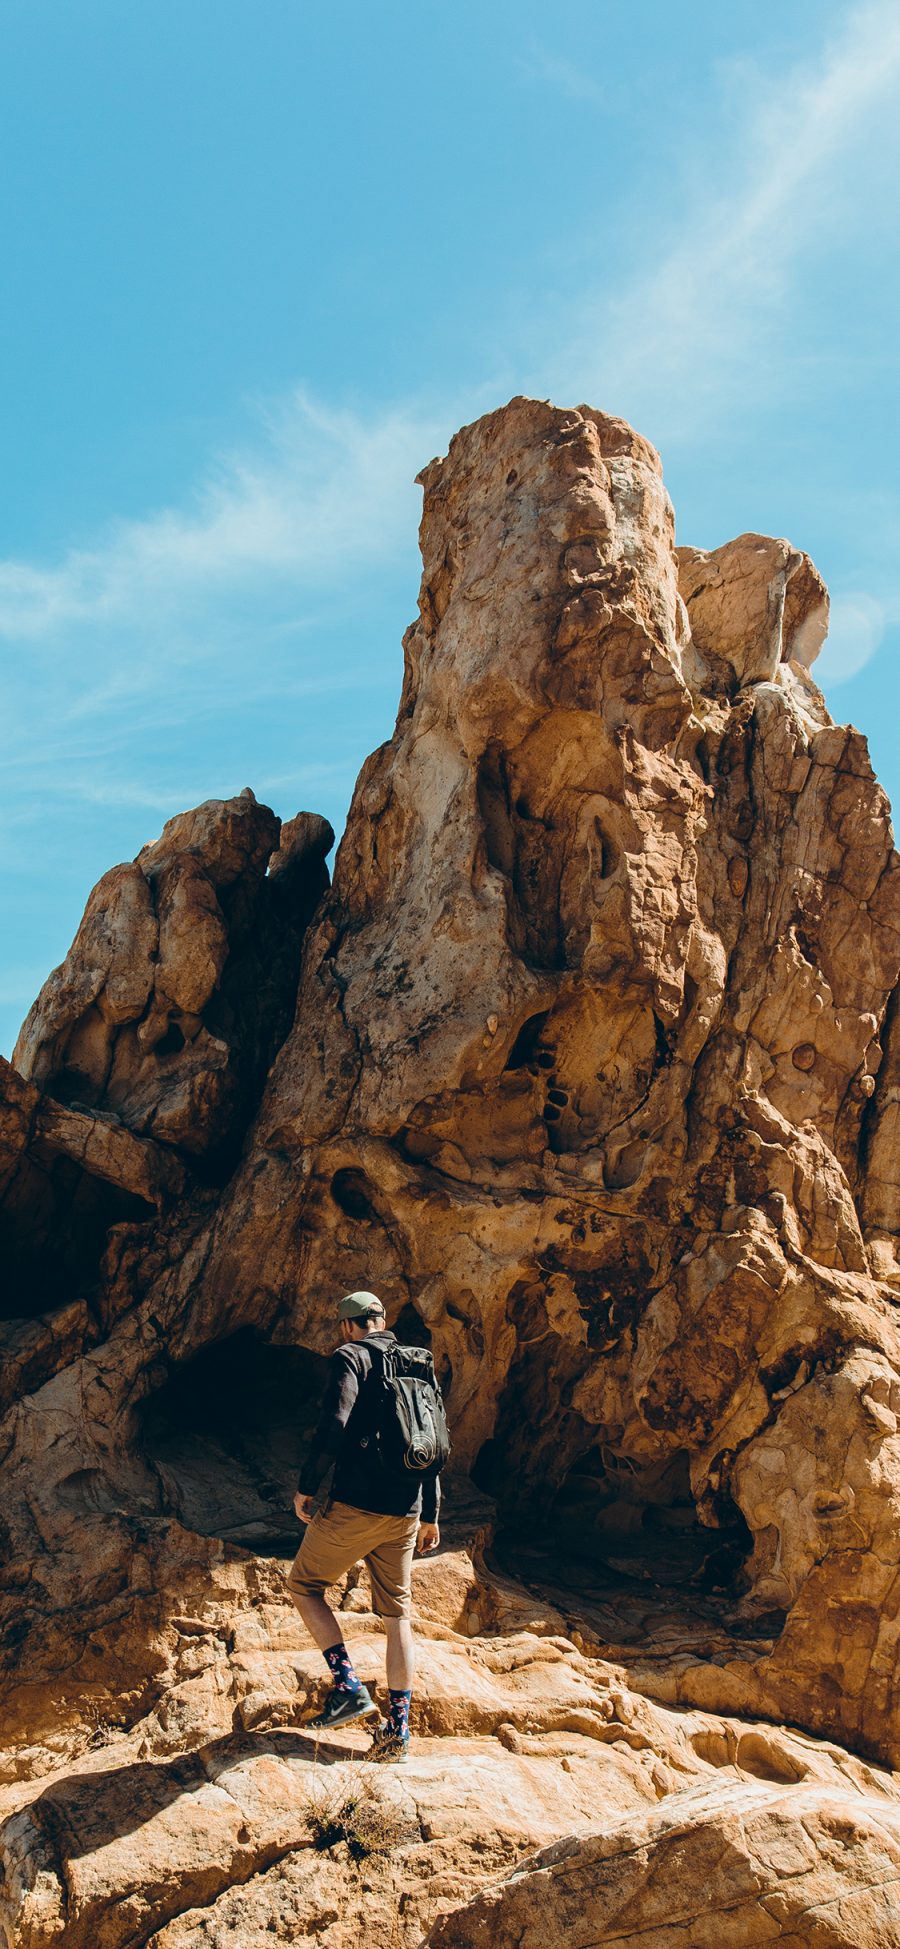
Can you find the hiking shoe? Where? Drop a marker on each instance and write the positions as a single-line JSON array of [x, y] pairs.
[[342, 1707], [388, 1748]]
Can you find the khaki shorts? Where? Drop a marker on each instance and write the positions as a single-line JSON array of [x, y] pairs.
[[339, 1537]]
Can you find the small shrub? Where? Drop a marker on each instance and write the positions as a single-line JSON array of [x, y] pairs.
[[103, 1729], [352, 1810]]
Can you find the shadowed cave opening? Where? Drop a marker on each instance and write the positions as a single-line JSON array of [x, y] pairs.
[[54, 1229], [225, 1434], [643, 1522], [612, 1529], [352, 1193]]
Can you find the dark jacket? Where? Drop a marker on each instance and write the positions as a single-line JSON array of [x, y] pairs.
[[344, 1440]]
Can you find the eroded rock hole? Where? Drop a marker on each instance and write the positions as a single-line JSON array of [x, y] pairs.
[[526, 1049], [662, 1042], [607, 856], [410, 1327], [352, 1193], [172, 1042], [225, 1436], [73, 1085]]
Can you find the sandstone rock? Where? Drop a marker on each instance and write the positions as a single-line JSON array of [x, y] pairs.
[[66, 1177], [817, 1870], [180, 982], [754, 603], [592, 1074], [593, 900], [217, 1818]]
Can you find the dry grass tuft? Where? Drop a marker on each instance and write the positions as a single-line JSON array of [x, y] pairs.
[[354, 1811]]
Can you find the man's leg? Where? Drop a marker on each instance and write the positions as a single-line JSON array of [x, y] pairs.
[[323, 1626], [390, 1570], [400, 1665], [401, 1654], [330, 1546]]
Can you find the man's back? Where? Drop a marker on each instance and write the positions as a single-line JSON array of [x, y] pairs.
[[345, 1437]]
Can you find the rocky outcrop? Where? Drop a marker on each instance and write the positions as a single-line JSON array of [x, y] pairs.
[[67, 1177], [217, 1821], [593, 1074], [180, 983], [816, 1870], [586, 1061]]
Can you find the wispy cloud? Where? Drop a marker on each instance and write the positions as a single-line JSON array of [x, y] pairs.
[[323, 493], [687, 335], [541, 64], [138, 670], [206, 608]]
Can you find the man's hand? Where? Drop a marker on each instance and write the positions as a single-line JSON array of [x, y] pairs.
[[428, 1538], [303, 1508]]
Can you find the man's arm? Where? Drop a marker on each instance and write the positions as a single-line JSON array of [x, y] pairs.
[[341, 1390], [429, 1534], [431, 1498]]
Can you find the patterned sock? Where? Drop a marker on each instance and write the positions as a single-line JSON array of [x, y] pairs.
[[398, 1715], [337, 1659]]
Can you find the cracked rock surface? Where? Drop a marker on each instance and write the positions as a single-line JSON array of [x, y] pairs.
[[586, 1060], [217, 1818]]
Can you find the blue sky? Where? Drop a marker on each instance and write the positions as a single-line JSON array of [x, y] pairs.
[[260, 260]]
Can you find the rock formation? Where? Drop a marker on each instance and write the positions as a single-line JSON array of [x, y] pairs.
[[593, 1075], [180, 983], [767, 1866]]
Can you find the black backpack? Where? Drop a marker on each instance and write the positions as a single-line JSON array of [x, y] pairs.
[[408, 1420]]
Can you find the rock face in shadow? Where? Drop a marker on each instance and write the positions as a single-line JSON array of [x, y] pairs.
[[592, 1074], [67, 1176]]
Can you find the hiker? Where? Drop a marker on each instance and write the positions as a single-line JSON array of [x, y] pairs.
[[382, 1438]]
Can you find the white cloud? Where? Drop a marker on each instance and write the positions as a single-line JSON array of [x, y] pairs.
[[138, 669], [324, 493], [197, 607], [687, 337]]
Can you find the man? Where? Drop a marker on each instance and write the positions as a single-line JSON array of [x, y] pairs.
[[372, 1513]]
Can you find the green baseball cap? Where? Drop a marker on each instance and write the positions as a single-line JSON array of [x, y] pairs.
[[355, 1306]]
